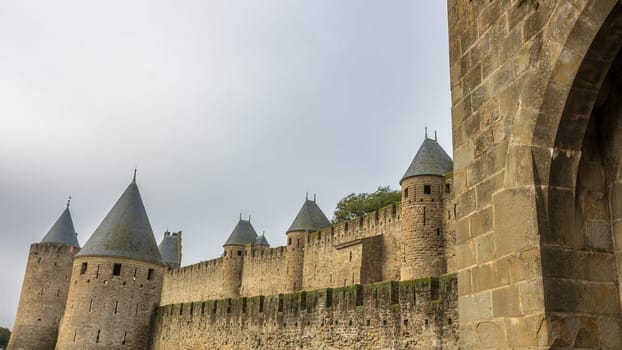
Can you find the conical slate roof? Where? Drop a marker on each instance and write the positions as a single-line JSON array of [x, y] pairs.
[[125, 232], [431, 159], [62, 231], [242, 234], [261, 240], [169, 249], [309, 218]]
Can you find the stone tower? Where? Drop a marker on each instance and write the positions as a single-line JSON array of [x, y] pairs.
[[423, 236], [46, 282], [170, 249], [310, 218], [233, 260], [116, 282]]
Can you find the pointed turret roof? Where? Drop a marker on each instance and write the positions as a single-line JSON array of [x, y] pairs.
[[242, 234], [62, 231], [169, 248], [431, 159], [125, 232], [310, 218], [261, 240]]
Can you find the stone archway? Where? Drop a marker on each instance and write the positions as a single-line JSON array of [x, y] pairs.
[[578, 253], [533, 122]]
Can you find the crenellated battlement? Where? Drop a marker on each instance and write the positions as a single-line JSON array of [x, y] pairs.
[[422, 312]]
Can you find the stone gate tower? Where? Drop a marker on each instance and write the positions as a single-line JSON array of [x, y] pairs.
[[422, 225], [116, 282], [46, 282]]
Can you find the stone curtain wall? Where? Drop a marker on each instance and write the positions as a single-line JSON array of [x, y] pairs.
[[200, 281], [264, 271], [43, 297], [418, 314]]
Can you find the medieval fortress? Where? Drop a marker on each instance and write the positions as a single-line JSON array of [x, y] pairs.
[[517, 244], [379, 281]]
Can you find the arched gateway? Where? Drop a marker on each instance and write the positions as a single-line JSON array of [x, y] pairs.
[[537, 115]]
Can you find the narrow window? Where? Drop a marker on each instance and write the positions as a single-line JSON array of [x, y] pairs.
[[350, 256], [225, 253], [97, 339], [427, 189], [447, 188], [423, 216], [75, 331], [91, 305], [449, 321], [97, 272], [136, 312], [135, 270], [116, 270], [438, 231], [116, 307], [83, 268], [289, 241], [239, 253], [150, 274], [203, 308], [406, 193], [405, 322], [124, 336]]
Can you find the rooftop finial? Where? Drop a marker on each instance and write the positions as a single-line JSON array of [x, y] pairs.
[[306, 196], [134, 178], [435, 139], [426, 132], [249, 217], [240, 215], [314, 198], [68, 201]]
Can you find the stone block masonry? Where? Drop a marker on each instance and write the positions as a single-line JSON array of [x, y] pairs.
[[419, 314]]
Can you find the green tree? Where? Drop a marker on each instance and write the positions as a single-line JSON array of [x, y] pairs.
[[5, 334], [355, 205]]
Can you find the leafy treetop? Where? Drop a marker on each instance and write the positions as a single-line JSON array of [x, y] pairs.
[[355, 205], [5, 334]]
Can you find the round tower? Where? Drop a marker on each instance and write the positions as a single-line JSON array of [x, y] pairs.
[[116, 282], [233, 258], [310, 218], [421, 221], [44, 291]]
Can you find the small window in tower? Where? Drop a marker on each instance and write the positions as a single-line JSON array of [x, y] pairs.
[[447, 188], [150, 274], [116, 270], [427, 189], [289, 241], [239, 253], [406, 193], [83, 268], [225, 253]]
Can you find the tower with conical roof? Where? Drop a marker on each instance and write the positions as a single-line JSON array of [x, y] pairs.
[[310, 218], [233, 257], [44, 291], [170, 249], [423, 235], [116, 282]]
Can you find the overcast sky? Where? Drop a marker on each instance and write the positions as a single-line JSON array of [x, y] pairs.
[[224, 107]]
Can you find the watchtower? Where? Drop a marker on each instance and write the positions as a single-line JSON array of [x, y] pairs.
[[44, 291], [423, 237], [310, 218], [116, 282], [233, 260]]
